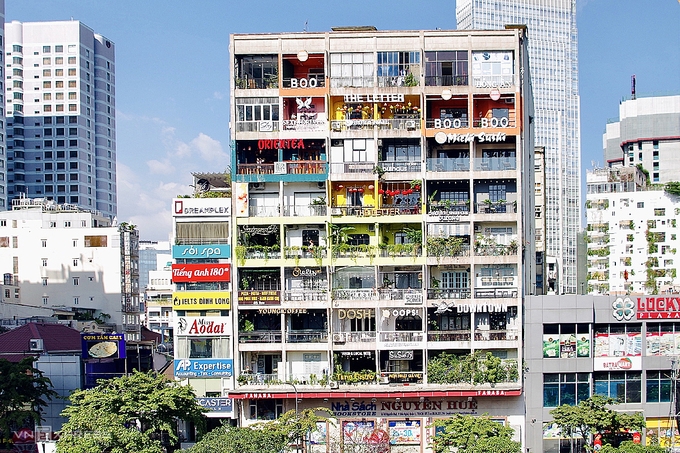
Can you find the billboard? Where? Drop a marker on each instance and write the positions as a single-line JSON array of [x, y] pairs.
[[201, 207], [97, 345], [216, 404], [192, 368], [204, 272], [201, 300], [201, 251]]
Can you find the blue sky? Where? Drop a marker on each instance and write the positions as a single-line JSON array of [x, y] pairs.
[[173, 89]]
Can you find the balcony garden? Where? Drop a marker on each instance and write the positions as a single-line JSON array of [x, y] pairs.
[[475, 368]]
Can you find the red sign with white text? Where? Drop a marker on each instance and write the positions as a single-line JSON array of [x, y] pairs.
[[182, 273], [658, 307]]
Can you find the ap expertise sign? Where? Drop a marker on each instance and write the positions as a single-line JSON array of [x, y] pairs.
[[193, 368]]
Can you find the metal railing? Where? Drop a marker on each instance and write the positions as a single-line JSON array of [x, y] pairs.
[[437, 164], [255, 169], [495, 164], [307, 336], [355, 294], [446, 80], [359, 337], [409, 296], [448, 251], [496, 208], [496, 250], [400, 336], [449, 335], [496, 335], [269, 336], [305, 295], [352, 167], [305, 210], [259, 254], [404, 124], [448, 293], [399, 166], [263, 211], [258, 126], [201, 241], [496, 293]]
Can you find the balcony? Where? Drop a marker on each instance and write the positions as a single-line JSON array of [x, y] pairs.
[[352, 167], [411, 123], [307, 336], [401, 251], [401, 337], [449, 335], [446, 80], [355, 294], [354, 337], [263, 211], [258, 126], [262, 252], [306, 210], [308, 295], [268, 336], [495, 164], [399, 166], [448, 293], [496, 249], [297, 252], [370, 211], [496, 207], [255, 169], [496, 335], [448, 164], [408, 296], [495, 293]]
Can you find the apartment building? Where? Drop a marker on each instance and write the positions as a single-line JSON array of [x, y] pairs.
[[632, 234], [382, 222], [553, 52], [66, 262], [60, 113]]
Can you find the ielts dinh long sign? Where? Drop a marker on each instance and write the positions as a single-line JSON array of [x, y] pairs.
[[183, 273]]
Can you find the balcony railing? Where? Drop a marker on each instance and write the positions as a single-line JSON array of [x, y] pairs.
[[495, 293], [449, 335], [201, 241], [495, 164], [496, 250], [400, 336], [297, 251], [252, 83], [409, 296], [263, 211], [305, 210], [263, 253], [352, 167], [496, 335], [355, 294], [305, 295], [401, 250], [305, 167], [446, 80], [256, 169], [359, 337], [257, 126], [448, 293], [496, 208], [399, 166], [307, 336], [370, 211], [383, 124], [449, 208], [269, 336], [444, 164], [442, 251], [258, 379], [402, 377]]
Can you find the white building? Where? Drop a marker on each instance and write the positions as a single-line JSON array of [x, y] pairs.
[[60, 110], [553, 53], [3, 142], [632, 234], [647, 133], [59, 259], [158, 299]]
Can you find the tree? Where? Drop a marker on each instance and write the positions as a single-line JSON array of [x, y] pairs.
[[130, 413], [24, 391], [672, 187], [267, 437], [592, 416], [473, 434], [631, 447]]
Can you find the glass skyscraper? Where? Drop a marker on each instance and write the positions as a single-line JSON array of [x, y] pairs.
[[553, 57]]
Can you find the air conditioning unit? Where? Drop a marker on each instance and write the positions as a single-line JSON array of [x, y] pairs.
[[509, 101], [338, 337], [333, 385], [410, 125], [336, 211], [371, 227], [478, 228], [383, 380], [257, 186], [321, 185], [36, 344]]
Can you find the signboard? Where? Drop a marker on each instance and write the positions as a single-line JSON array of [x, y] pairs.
[[216, 404], [259, 297], [201, 300], [240, 192], [404, 432], [103, 345], [202, 325], [201, 207], [201, 251], [191, 368], [370, 98], [618, 344], [204, 272], [551, 346], [400, 355], [482, 137], [617, 363], [654, 307], [393, 408]]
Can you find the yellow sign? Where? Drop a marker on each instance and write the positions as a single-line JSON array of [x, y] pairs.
[[201, 300]]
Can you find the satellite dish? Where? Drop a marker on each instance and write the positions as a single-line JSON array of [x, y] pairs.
[[203, 185]]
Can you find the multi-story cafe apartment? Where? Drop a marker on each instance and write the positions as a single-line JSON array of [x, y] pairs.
[[382, 216]]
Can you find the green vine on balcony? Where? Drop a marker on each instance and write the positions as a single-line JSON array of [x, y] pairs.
[[474, 368]]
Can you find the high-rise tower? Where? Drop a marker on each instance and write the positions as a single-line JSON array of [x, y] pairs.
[[553, 53], [60, 110]]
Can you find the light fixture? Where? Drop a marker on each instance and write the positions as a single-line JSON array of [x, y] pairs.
[[302, 55], [446, 94]]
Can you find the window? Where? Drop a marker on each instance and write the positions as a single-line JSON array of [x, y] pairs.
[[59, 84], [76, 281], [565, 341], [44, 242], [44, 262], [446, 68], [44, 281], [623, 386], [254, 110], [100, 241], [71, 84], [72, 72], [47, 84], [641, 204], [393, 67], [565, 388], [659, 386], [58, 49], [266, 409], [47, 73], [59, 73], [455, 280], [67, 224], [46, 49], [76, 300], [71, 60], [617, 340], [75, 243], [45, 300], [59, 60], [352, 69], [655, 144]]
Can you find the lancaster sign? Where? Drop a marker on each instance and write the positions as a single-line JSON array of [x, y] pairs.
[[184, 273]]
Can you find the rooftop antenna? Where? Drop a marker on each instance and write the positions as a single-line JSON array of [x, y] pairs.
[[305, 29], [632, 85]]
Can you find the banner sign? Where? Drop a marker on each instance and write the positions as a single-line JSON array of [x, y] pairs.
[[191, 368], [201, 207], [202, 325], [201, 300], [103, 345], [201, 251], [206, 272], [216, 404]]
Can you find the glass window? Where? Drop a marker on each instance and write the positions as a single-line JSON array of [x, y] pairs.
[[565, 388], [352, 69], [393, 67], [659, 386], [446, 68], [623, 386]]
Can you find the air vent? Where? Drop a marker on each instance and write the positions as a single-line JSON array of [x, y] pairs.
[[36, 344]]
